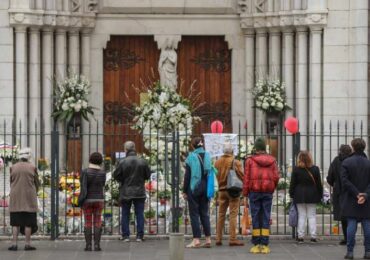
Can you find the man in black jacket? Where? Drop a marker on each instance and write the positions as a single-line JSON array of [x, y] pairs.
[[131, 173], [355, 175]]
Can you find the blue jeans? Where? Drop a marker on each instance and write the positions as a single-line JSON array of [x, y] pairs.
[[351, 233], [139, 213], [198, 210], [260, 207]]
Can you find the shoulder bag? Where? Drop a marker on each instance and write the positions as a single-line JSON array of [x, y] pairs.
[[234, 185]]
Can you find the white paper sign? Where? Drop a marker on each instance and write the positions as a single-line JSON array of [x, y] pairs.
[[214, 143]]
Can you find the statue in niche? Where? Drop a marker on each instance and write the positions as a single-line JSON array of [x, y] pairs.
[[167, 67]]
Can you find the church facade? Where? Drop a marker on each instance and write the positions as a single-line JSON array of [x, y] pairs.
[[319, 48]]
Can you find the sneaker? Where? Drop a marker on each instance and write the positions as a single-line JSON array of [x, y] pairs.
[[313, 240], [300, 240], [255, 249], [235, 243], [125, 239], [13, 248], [349, 255], [265, 249], [29, 248], [138, 239]]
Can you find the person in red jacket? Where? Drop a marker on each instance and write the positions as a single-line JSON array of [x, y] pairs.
[[260, 181]]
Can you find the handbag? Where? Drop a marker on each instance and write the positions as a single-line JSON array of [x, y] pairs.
[[245, 223], [293, 215], [234, 185], [83, 189]]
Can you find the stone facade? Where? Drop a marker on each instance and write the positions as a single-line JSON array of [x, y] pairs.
[[318, 47]]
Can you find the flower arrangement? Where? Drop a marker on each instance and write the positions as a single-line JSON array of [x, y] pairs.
[[270, 95], [8, 153], [71, 97], [42, 164], [165, 109], [245, 148]]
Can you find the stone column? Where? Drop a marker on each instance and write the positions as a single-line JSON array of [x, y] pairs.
[[249, 78], [65, 5], [270, 5], [74, 51], [39, 4], [301, 85], [47, 87], [61, 73], [275, 55], [288, 78], [297, 4], [21, 109], [85, 60], [316, 112], [35, 90], [261, 71]]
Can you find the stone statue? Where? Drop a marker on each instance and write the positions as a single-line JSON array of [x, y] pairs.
[[167, 67]]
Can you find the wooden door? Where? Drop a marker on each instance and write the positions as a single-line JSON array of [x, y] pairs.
[[129, 62], [207, 61]]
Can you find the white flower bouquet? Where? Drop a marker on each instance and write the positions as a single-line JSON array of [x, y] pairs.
[[71, 97], [165, 110], [270, 95]]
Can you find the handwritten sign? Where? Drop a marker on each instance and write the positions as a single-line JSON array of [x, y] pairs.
[[214, 143]]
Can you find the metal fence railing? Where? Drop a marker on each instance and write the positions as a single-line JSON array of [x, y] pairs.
[[60, 154]]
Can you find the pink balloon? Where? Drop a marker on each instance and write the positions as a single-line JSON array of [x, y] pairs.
[[291, 125], [217, 127]]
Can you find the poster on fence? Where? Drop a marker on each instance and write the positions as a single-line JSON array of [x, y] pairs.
[[214, 143]]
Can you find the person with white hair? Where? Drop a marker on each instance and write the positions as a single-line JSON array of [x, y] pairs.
[[227, 199], [24, 183]]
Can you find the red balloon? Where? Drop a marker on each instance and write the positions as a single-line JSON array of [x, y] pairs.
[[291, 125], [217, 127]]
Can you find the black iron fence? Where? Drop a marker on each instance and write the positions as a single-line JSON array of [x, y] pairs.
[[60, 154]]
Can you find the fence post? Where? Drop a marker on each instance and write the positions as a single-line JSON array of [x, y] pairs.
[[296, 149], [54, 184]]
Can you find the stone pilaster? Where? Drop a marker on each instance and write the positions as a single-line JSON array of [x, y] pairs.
[[74, 51], [275, 55], [249, 78], [47, 86], [288, 67], [301, 85], [21, 109], [35, 89], [261, 68], [60, 53]]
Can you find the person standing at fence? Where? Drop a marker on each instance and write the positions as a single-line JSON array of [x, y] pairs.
[[24, 183], [226, 200], [334, 180], [131, 173], [198, 163], [306, 191], [94, 202], [355, 176], [260, 181]]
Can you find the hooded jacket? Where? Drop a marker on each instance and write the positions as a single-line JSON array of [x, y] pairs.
[[261, 174]]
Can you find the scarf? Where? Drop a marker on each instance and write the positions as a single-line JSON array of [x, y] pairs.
[[194, 162]]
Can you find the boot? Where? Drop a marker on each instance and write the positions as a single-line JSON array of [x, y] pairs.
[[97, 236], [88, 238]]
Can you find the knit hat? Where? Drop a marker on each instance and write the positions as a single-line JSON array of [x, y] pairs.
[[260, 144], [25, 153]]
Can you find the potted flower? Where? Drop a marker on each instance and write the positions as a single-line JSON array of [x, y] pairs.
[[150, 216], [164, 196]]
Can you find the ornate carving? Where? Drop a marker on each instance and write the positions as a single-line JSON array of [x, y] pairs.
[[244, 6], [117, 112], [75, 5], [19, 17], [92, 6], [219, 61], [260, 6], [210, 112], [115, 59]]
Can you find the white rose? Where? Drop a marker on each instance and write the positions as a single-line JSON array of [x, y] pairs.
[[65, 106], [84, 104], [265, 105], [77, 107], [279, 106], [258, 104]]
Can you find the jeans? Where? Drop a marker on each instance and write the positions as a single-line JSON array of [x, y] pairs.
[[199, 210], [306, 211], [139, 213], [224, 202], [260, 207], [351, 233]]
